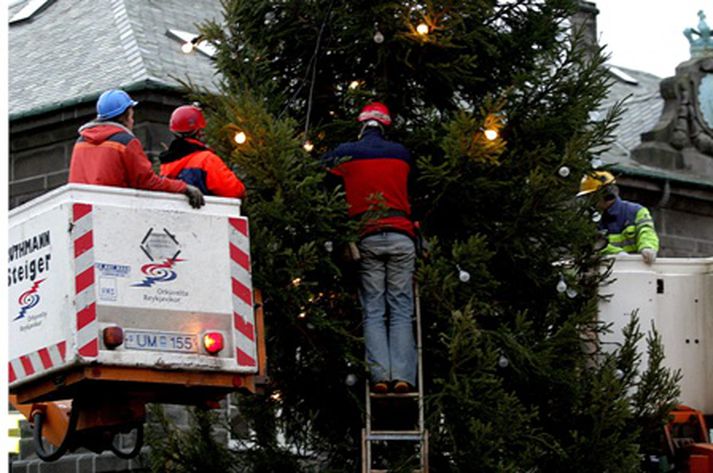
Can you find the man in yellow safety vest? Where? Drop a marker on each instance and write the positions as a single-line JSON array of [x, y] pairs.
[[628, 226]]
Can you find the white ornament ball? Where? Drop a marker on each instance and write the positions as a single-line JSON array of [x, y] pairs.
[[619, 374], [596, 217], [564, 171], [571, 293], [464, 276], [378, 37], [350, 380], [329, 246], [596, 163], [561, 286], [503, 362]]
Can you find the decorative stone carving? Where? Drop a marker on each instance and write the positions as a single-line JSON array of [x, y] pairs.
[[683, 137]]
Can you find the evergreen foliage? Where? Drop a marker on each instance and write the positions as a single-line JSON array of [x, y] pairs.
[[515, 378]]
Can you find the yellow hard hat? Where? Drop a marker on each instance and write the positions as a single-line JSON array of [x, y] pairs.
[[595, 181]]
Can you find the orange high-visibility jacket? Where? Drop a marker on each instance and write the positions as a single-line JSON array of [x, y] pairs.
[[194, 163], [108, 154]]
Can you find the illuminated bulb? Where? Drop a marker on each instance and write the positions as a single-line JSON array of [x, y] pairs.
[[308, 146], [296, 281], [240, 137], [187, 47], [354, 84], [276, 396], [561, 286], [491, 134], [302, 315], [422, 29]]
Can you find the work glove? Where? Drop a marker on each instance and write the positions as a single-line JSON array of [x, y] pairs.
[[649, 255], [195, 196]]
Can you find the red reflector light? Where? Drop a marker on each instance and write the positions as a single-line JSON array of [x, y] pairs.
[[213, 342], [113, 336]]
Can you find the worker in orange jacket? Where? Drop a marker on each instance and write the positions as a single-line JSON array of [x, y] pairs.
[[108, 154], [188, 158]]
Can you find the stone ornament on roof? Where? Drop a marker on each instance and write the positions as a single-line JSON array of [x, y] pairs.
[[703, 45], [683, 137]]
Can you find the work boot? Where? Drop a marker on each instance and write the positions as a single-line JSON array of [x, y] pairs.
[[402, 387], [380, 387]]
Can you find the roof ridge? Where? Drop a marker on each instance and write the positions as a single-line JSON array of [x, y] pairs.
[[127, 38]]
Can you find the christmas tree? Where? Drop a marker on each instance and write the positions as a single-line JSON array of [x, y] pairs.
[[494, 99]]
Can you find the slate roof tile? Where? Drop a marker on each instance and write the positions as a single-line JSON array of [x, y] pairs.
[[77, 48]]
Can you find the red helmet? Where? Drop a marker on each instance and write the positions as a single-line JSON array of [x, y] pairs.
[[375, 111], [187, 119]]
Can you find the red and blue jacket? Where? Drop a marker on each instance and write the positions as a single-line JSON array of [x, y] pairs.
[[108, 154], [376, 174], [196, 164]]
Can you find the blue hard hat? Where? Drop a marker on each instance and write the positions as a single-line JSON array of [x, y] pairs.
[[113, 103]]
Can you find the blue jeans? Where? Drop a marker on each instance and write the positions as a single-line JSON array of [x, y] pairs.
[[386, 271]]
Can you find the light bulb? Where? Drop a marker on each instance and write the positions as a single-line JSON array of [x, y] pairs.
[[564, 171], [561, 286], [422, 29], [503, 362], [302, 315], [187, 47], [240, 137], [354, 84], [596, 217], [571, 292], [296, 281], [491, 134], [350, 380], [308, 146], [276, 396], [464, 276], [378, 37], [329, 246]]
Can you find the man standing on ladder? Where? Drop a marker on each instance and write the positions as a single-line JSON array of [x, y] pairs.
[[375, 174]]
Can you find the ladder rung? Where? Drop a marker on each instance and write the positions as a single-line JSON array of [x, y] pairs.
[[387, 471], [410, 435], [392, 395]]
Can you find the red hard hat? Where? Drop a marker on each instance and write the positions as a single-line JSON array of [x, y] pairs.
[[187, 119], [375, 111]]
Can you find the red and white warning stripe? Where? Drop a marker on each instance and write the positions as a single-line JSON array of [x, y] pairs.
[[37, 362], [85, 298], [242, 289]]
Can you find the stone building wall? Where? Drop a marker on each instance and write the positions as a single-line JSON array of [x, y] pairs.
[[41, 145]]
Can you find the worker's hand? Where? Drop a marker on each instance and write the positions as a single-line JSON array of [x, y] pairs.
[[195, 196], [649, 255]]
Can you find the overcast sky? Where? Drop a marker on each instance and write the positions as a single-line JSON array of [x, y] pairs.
[[648, 34]]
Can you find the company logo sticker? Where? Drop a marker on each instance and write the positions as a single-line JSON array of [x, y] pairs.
[[29, 299], [158, 272], [162, 248]]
